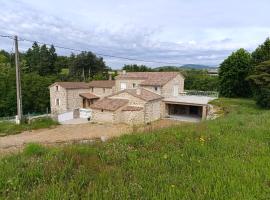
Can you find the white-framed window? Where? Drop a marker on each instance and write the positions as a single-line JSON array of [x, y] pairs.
[[123, 86], [156, 88], [104, 90], [57, 88], [92, 89], [57, 102], [134, 85]]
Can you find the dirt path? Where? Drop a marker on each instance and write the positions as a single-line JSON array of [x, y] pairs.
[[62, 134], [72, 133]]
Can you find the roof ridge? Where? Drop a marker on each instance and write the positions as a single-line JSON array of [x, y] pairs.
[[102, 83], [150, 78], [140, 95], [71, 84]]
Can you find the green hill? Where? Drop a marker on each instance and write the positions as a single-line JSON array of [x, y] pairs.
[[227, 158], [186, 66], [196, 66]]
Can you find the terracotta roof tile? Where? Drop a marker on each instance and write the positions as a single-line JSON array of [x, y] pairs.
[[150, 78], [109, 104], [132, 108], [72, 85], [143, 94], [88, 96], [102, 84]]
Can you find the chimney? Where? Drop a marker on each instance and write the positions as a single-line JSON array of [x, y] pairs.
[[138, 91], [124, 72]]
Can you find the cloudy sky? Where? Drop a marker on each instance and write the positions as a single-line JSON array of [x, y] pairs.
[[169, 31]]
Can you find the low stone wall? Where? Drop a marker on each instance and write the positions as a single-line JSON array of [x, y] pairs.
[[132, 117], [105, 116]]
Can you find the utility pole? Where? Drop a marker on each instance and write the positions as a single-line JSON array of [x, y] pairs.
[[18, 83]]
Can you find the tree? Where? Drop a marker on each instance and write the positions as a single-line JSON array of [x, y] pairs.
[[40, 68], [168, 69], [62, 62], [262, 53], [35, 92], [52, 61], [41, 60], [233, 73], [32, 58], [8, 91], [261, 80], [3, 57], [200, 80], [85, 65], [137, 68]]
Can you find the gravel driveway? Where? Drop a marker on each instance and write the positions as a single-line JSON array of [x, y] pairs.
[[62, 134], [69, 133]]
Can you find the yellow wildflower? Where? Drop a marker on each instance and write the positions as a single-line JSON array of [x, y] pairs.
[[202, 139]]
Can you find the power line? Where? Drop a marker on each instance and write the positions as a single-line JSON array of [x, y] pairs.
[[99, 54], [7, 36]]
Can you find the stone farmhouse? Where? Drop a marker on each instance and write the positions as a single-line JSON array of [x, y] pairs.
[[132, 98]]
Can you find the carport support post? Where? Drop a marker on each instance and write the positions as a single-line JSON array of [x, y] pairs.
[[204, 112]]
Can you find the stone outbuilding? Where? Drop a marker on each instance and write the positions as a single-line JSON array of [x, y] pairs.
[[131, 106]]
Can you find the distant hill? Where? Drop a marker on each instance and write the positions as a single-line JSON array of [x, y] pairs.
[[196, 66], [186, 66]]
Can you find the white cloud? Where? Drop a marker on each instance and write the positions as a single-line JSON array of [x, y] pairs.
[[176, 31]]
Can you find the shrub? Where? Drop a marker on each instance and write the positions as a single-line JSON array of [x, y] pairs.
[[261, 81], [262, 97]]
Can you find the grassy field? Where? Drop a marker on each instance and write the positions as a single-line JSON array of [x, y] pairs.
[[227, 158], [9, 128]]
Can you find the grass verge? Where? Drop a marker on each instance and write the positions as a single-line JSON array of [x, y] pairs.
[[227, 158], [10, 128]]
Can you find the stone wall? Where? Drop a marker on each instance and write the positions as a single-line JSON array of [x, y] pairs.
[[129, 84], [74, 100], [153, 89], [132, 117], [163, 111], [101, 92], [117, 116], [167, 89], [152, 111], [105, 116], [61, 94]]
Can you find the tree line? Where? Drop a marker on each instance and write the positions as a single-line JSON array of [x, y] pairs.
[[245, 74], [40, 67], [242, 74]]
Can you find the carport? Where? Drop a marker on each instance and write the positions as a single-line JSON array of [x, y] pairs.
[[187, 108]]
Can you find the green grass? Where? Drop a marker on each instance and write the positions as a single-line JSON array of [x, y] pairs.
[[64, 71], [227, 158], [9, 128]]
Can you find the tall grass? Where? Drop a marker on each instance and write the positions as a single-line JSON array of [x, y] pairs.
[[10, 128], [227, 158]]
